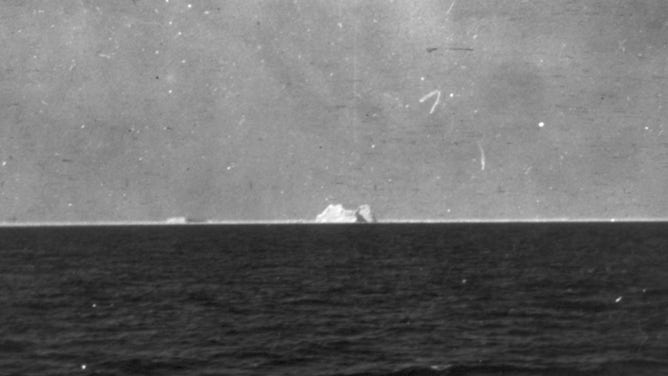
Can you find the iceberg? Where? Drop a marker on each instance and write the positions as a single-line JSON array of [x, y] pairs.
[[338, 214], [364, 214], [176, 220]]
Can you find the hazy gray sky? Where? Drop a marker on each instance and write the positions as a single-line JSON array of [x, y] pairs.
[[146, 109]]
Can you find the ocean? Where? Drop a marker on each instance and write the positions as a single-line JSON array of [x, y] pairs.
[[377, 299]]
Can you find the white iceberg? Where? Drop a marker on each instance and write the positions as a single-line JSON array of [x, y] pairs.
[[338, 214], [177, 220]]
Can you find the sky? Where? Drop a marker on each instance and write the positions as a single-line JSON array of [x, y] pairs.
[[140, 110]]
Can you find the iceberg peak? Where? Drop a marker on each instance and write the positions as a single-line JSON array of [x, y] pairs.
[[336, 213]]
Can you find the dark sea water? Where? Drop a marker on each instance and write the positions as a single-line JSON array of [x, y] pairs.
[[466, 299]]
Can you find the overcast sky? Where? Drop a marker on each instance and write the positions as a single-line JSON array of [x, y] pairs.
[[271, 110]]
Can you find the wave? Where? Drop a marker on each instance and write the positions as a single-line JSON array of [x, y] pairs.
[[143, 366], [613, 368]]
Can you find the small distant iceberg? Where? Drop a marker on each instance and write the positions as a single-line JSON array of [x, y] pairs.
[[176, 220], [338, 214]]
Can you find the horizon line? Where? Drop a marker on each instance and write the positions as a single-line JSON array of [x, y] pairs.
[[313, 222]]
